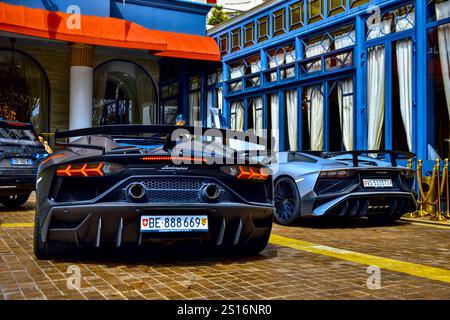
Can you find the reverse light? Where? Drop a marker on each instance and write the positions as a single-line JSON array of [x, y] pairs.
[[98, 169], [247, 172], [336, 174]]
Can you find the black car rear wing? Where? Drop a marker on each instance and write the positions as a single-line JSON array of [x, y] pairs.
[[393, 155], [165, 132]]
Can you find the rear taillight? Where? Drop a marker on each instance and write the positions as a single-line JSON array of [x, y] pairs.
[[97, 169], [336, 174], [248, 172]]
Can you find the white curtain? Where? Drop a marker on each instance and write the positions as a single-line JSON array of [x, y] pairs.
[[257, 106], [442, 12], [292, 118], [375, 96], [194, 107], [237, 116], [315, 117], [210, 107], [404, 67], [345, 88], [376, 70], [275, 120]]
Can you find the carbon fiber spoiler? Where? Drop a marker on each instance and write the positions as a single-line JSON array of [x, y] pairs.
[[394, 155], [128, 131]]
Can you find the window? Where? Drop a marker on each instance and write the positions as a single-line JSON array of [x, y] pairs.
[[291, 120], [315, 10], [397, 20], [280, 57], [439, 88], [169, 102], [235, 39], [398, 111], [341, 115], [223, 44], [214, 100], [312, 118], [296, 15], [335, 7], [438, 9], [263, 29], [278, 22], [273, 116], [324, 44], [249, 34], [356, 3], [255, 116], [248, 68], [124, 93], [194, 100], [24, 90], [237, 116]]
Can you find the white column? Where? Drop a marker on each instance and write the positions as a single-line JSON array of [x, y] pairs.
[[81, 86]]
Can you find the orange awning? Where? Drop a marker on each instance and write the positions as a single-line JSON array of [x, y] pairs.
[[105, 31], [188, 46]]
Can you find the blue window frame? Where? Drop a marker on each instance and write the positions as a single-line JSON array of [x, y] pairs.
[[278, 22], [296, 15]]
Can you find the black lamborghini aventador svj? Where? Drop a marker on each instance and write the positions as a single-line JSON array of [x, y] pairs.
[[134, 185]]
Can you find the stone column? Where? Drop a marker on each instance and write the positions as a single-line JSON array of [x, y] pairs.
[[81, 86]]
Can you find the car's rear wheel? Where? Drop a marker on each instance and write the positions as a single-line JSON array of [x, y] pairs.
[[286, 201], [15, 200], [49, 249]]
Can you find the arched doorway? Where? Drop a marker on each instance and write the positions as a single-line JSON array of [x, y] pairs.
[[24, 90], [124, 93]]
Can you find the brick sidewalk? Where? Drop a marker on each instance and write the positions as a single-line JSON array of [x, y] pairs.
[[278, 273]]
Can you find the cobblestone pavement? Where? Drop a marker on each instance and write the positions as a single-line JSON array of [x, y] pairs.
[[315, 260]]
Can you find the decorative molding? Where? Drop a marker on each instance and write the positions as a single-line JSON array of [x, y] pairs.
[[81, 55]]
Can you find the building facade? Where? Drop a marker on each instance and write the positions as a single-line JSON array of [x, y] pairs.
[[340, 75], [72, 64]]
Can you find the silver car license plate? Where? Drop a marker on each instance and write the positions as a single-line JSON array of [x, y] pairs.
[[377, 183], [22, 162]]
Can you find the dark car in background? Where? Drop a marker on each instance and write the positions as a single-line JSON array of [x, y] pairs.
[[21, 152], [131, 185]]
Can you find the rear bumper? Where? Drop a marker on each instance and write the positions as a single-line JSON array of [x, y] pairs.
[[119, 224], [12, 181], [364, 204]]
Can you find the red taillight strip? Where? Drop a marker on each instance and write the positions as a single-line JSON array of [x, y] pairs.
[[250, 173], [69, 171]]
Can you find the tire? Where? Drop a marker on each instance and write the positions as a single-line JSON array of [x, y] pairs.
[[286, 201], [14, 201], [49, 249]]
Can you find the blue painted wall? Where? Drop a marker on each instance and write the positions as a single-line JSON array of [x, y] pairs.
[[89, 7], [166, 15]]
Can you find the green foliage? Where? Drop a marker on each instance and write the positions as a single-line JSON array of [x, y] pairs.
[[217, 16]]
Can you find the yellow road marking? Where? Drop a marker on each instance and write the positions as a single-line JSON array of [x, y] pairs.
[[414, 269], [17, 225]]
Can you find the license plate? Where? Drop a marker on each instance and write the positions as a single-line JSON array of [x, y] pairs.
[[21, 162], [174, 223], [377, 183]]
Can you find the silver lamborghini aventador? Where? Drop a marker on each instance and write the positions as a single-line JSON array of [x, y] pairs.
[[351, 184]]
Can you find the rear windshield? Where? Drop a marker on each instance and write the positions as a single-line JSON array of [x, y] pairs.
[[18, 136]]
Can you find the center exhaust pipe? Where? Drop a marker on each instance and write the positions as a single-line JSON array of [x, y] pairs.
[[210, 192], [136, 191]]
